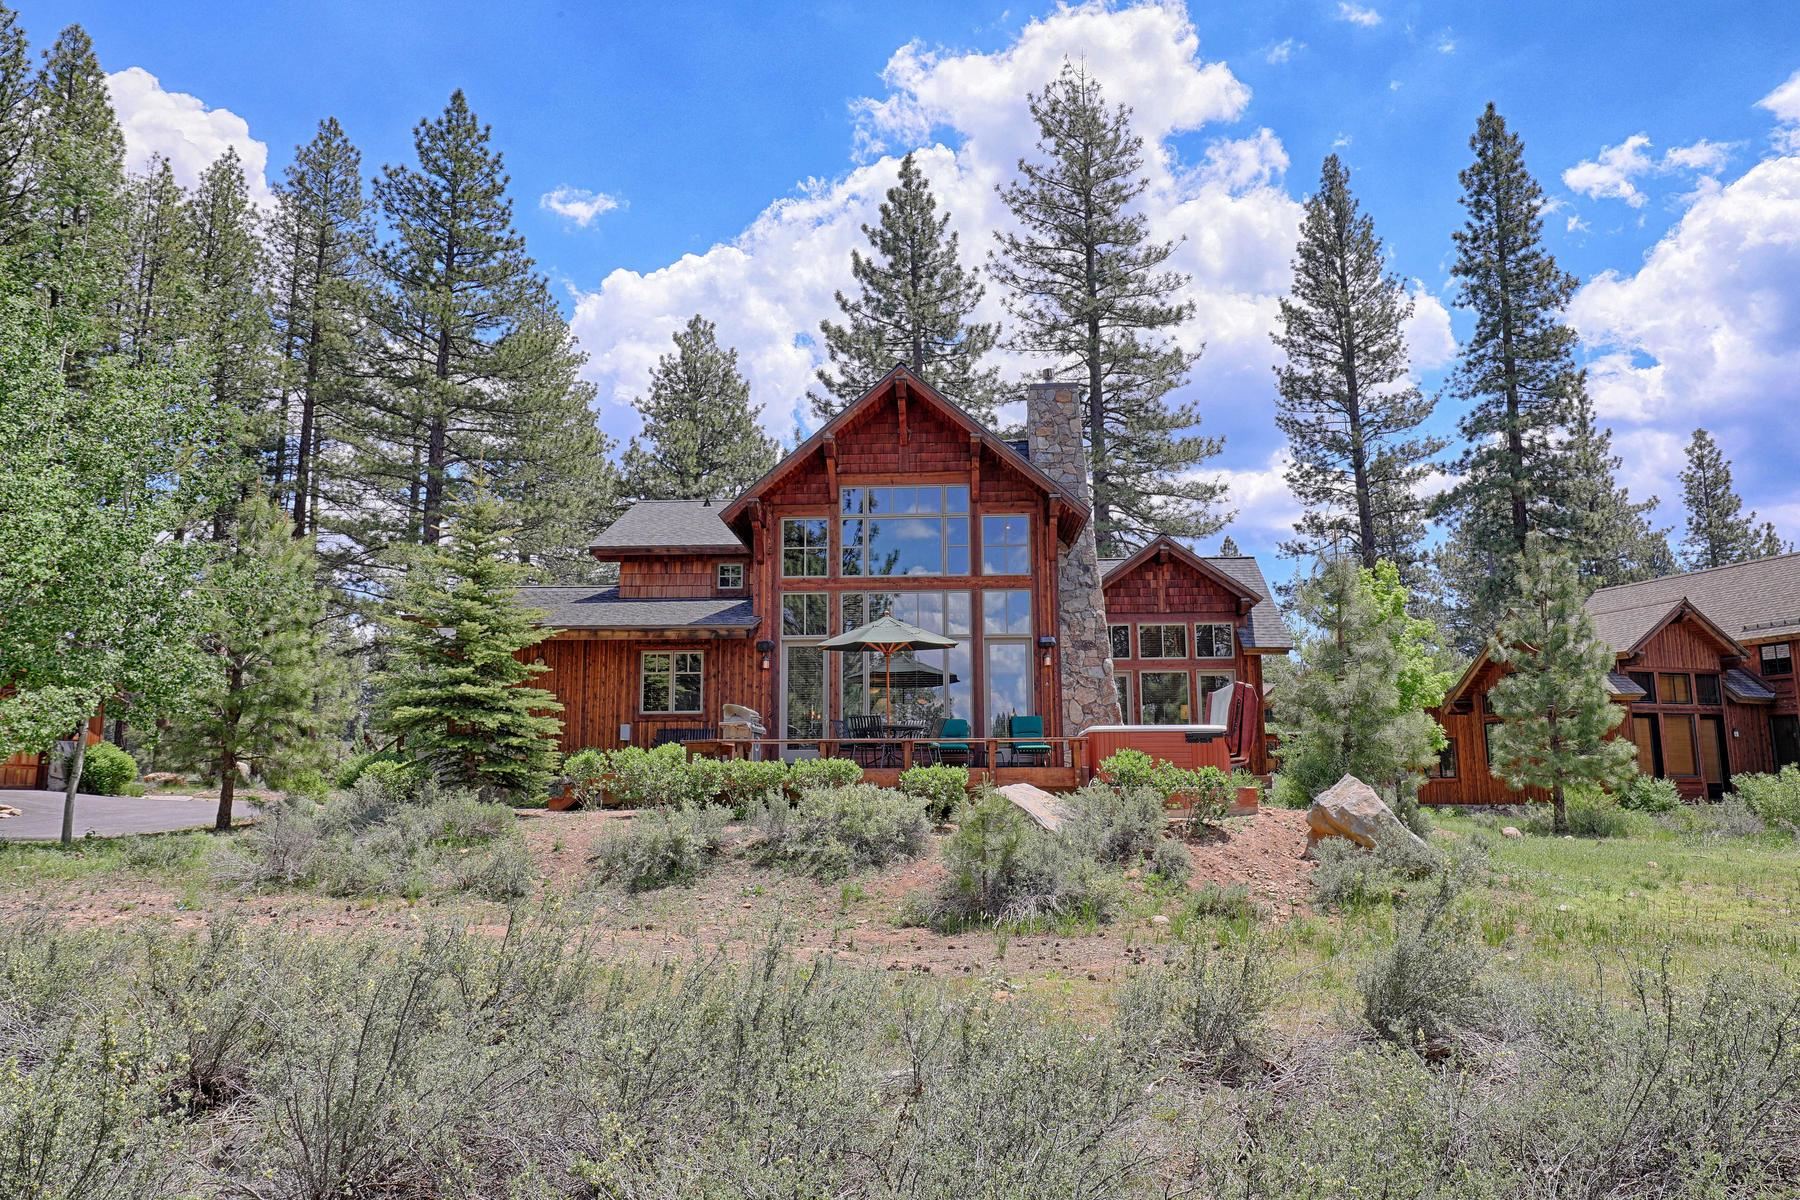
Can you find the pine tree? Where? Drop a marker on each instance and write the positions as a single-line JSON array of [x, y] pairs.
[[1555, 713], [1718, 530], [155, 299], [1229, 548], [264, 649], [1347, 402], [454, 689], [319, 239], [1355, 700], [1517, 374], [701, 438], [1089, 288], [18, 105], [915, 305], [1610, 535]]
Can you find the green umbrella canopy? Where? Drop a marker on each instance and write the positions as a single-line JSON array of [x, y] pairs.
[[887, 635]]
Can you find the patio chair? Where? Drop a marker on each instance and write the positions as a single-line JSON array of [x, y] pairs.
[[1028, 732], [864, 753], [954, 746]]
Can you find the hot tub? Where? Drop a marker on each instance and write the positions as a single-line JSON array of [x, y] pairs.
[[1184, 745]]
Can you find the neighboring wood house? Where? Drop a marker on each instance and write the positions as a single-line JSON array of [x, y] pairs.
[[1705, 666], [33, 771], [901, 504]]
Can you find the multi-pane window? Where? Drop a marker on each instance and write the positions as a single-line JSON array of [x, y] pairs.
[[1706, 690], [1162, 641], [1122, 685], [804, 545], [804, 614], [670, 681], [1210, 682], [927, 685], [1487, 743], [1006, 613], [904, 531], [1213, 640], [1445, 767], [1121, 640], [1777, 658], [731, 577], [1006, 545], [1673, 689], [1165, 698]]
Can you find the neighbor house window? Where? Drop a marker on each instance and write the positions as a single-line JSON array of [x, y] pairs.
[[731, 577], [1121, 640], [1487, 743], [1164, 696], [1777, 659], [804, 614], [1213, 641], [1706, 690], [1006, 545], [1673, 689], [1445, 767], [904, 530], [1162, 641], [803, 548], [670, 681]]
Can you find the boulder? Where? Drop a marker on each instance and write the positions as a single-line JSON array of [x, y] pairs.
[[1046, 810], [1511, 831], [1350, 809]]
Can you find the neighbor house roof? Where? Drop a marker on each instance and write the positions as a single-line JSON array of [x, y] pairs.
[[587, 607], [1750, 601], [667, 527], [1262, 629]]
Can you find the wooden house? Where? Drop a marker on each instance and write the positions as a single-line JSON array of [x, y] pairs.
[[902, 504], [1704, 669]]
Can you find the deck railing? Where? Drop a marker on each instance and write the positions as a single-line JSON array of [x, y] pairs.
[[1000, 757]]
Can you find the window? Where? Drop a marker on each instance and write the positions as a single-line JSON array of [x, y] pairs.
[[1649, 745], [1487, 743], [1122, 685], [928, 685], [1673, 689], [670, 681], [1006, 613], [905, 531], [803, 548], [1164, 695], [1121, 640], [731, 577], [1213, 641], [1706, 690], [1777, 658], [1679, 756], [1645, 680], [1162, 641], [1008, 684], [1006, 545], [804, 614], [1445, 767], [1210, 682]]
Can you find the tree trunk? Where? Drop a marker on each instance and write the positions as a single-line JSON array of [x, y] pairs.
[[1559, 821], [228, 774], [72, 780]]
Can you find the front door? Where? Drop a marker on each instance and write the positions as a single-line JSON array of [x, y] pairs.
[[1786, 734], [802, 699]]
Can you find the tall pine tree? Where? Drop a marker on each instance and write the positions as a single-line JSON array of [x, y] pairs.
[[454, 690], [1347, 402], [1090, 289], [1556, 716], [1517, 375], [18, 106], [156, 296], [701, 438], [1610, 535], [1719, 532], [915, 306]]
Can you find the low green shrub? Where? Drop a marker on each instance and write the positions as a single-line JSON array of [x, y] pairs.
[[1113, 824], [1592, 814], [1774, 798], [357, 763], [106, 770], [1349, 875], [1231, 902], [657, 778], [830, 832], [748, 785], [163, 851], [1729, 818], [1207, 790], [1170, 862], [1001, 867], [584, 777], [1205, 1005], [809, 773], [662, 847], [942, 788], [1419, 989], [1129, 768], [309, 782], [1649, 794]]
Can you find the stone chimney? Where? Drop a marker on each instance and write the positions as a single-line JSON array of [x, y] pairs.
[[1053, 424]]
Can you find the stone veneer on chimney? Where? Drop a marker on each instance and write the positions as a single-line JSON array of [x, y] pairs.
[[1053, 426]]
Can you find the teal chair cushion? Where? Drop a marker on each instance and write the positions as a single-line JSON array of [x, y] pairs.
[[1027, 727], [954, 728]]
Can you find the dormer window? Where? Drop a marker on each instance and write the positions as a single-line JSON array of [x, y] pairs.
[[731, 577]]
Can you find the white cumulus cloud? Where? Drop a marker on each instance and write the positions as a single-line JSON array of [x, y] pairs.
[[1282, 51], [1609, 174], [182, 129], [577, 204], [1784, 103], [1358, 14]]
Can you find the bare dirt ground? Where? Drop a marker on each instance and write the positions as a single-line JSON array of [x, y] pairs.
[[737, 907]]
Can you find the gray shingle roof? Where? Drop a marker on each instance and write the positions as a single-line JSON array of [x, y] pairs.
[[650, 525], [1746, 688], [1620, 684], [1750, 601], [1264, 627], [604, 608]]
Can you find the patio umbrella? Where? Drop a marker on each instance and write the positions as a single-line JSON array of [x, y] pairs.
[[888, 636]]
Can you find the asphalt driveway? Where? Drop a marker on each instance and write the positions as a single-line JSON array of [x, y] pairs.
[[40, 815]]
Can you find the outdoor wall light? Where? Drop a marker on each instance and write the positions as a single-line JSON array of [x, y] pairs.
[[765, 648], [1047, 643]]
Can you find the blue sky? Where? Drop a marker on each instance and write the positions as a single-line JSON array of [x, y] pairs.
[[673, 158]]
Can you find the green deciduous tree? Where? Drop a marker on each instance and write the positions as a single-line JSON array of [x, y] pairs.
[[1554, 709], [1347, 402], [701, 438], [155, 296], [453, 688], [262, 623], [1355, 701], [1089, 288], [1517, 375], [1719, 532], [915, 305]]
